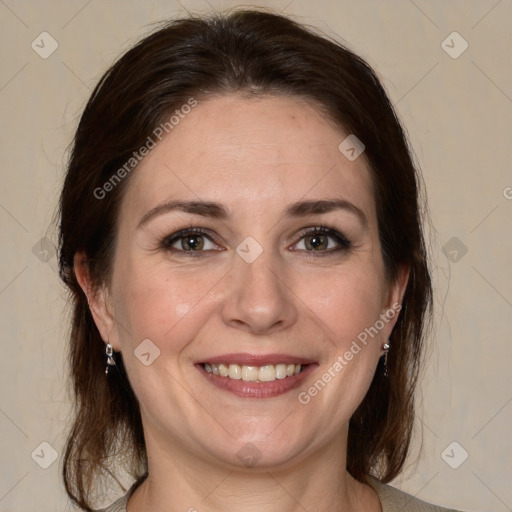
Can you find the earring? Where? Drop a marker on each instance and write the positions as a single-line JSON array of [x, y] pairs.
[[386, 347], [110, 360]]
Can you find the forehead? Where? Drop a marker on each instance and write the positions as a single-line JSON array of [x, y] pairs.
[[250, 152]]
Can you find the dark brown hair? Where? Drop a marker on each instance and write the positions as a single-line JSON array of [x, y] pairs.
[[249, 52]]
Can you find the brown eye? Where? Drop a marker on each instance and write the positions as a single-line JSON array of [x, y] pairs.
[[192, 242], [323, 240], [189, 240], [316, 241]]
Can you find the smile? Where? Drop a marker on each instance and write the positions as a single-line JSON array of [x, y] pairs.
[[256, 375], [265, 373]]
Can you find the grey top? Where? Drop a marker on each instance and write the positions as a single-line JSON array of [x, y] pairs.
[[392, 500]]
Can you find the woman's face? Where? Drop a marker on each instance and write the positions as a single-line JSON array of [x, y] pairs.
[[259, 289]]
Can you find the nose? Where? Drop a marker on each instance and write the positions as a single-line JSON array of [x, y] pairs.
[[258, 298]]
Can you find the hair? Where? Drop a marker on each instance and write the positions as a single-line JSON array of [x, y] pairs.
[[240, 52]]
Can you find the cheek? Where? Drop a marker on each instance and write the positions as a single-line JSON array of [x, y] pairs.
[[169, 308], [346, 304], [348, 301], [155, 303]]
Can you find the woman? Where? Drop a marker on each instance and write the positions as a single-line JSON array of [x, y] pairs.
[[241, 235]]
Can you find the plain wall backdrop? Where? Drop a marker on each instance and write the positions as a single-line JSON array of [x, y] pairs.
[[456, 104]]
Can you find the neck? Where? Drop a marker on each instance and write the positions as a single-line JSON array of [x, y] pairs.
[[179, 481]]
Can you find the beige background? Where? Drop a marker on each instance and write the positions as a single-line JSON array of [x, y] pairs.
[[458, 113]]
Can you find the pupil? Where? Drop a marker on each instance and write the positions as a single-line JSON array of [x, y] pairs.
[[317, 241], [193, 241]]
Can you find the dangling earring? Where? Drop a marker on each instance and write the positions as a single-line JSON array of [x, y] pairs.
[[386, 347], [110, 359]]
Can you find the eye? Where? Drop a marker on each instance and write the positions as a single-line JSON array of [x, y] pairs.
[[322, 239], [189, 240]]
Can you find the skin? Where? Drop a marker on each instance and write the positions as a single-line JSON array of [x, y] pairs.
[[255, 156]]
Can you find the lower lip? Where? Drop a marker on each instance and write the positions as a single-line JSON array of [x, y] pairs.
[[245, 389]]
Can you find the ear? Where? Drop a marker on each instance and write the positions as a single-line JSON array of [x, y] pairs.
[[397, 287], [98, 300], [393, 302]]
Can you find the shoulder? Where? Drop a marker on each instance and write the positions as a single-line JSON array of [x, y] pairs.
[[117, 506], [394, 500], [120, 504]]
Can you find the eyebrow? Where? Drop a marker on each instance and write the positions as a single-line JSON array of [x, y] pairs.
[[312, 207], [219, 211], [204, 208]]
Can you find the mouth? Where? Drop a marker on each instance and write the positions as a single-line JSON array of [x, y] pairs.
[[265, 373], [249, 376]]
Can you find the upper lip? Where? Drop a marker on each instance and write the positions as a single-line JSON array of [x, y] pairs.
[[246, 359]]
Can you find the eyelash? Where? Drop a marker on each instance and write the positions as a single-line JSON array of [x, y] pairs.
[[343, 241]]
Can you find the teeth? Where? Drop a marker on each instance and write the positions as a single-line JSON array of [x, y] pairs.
[[235, 372], [266, 373], [280, 371], [249, 373], [223, 370]]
